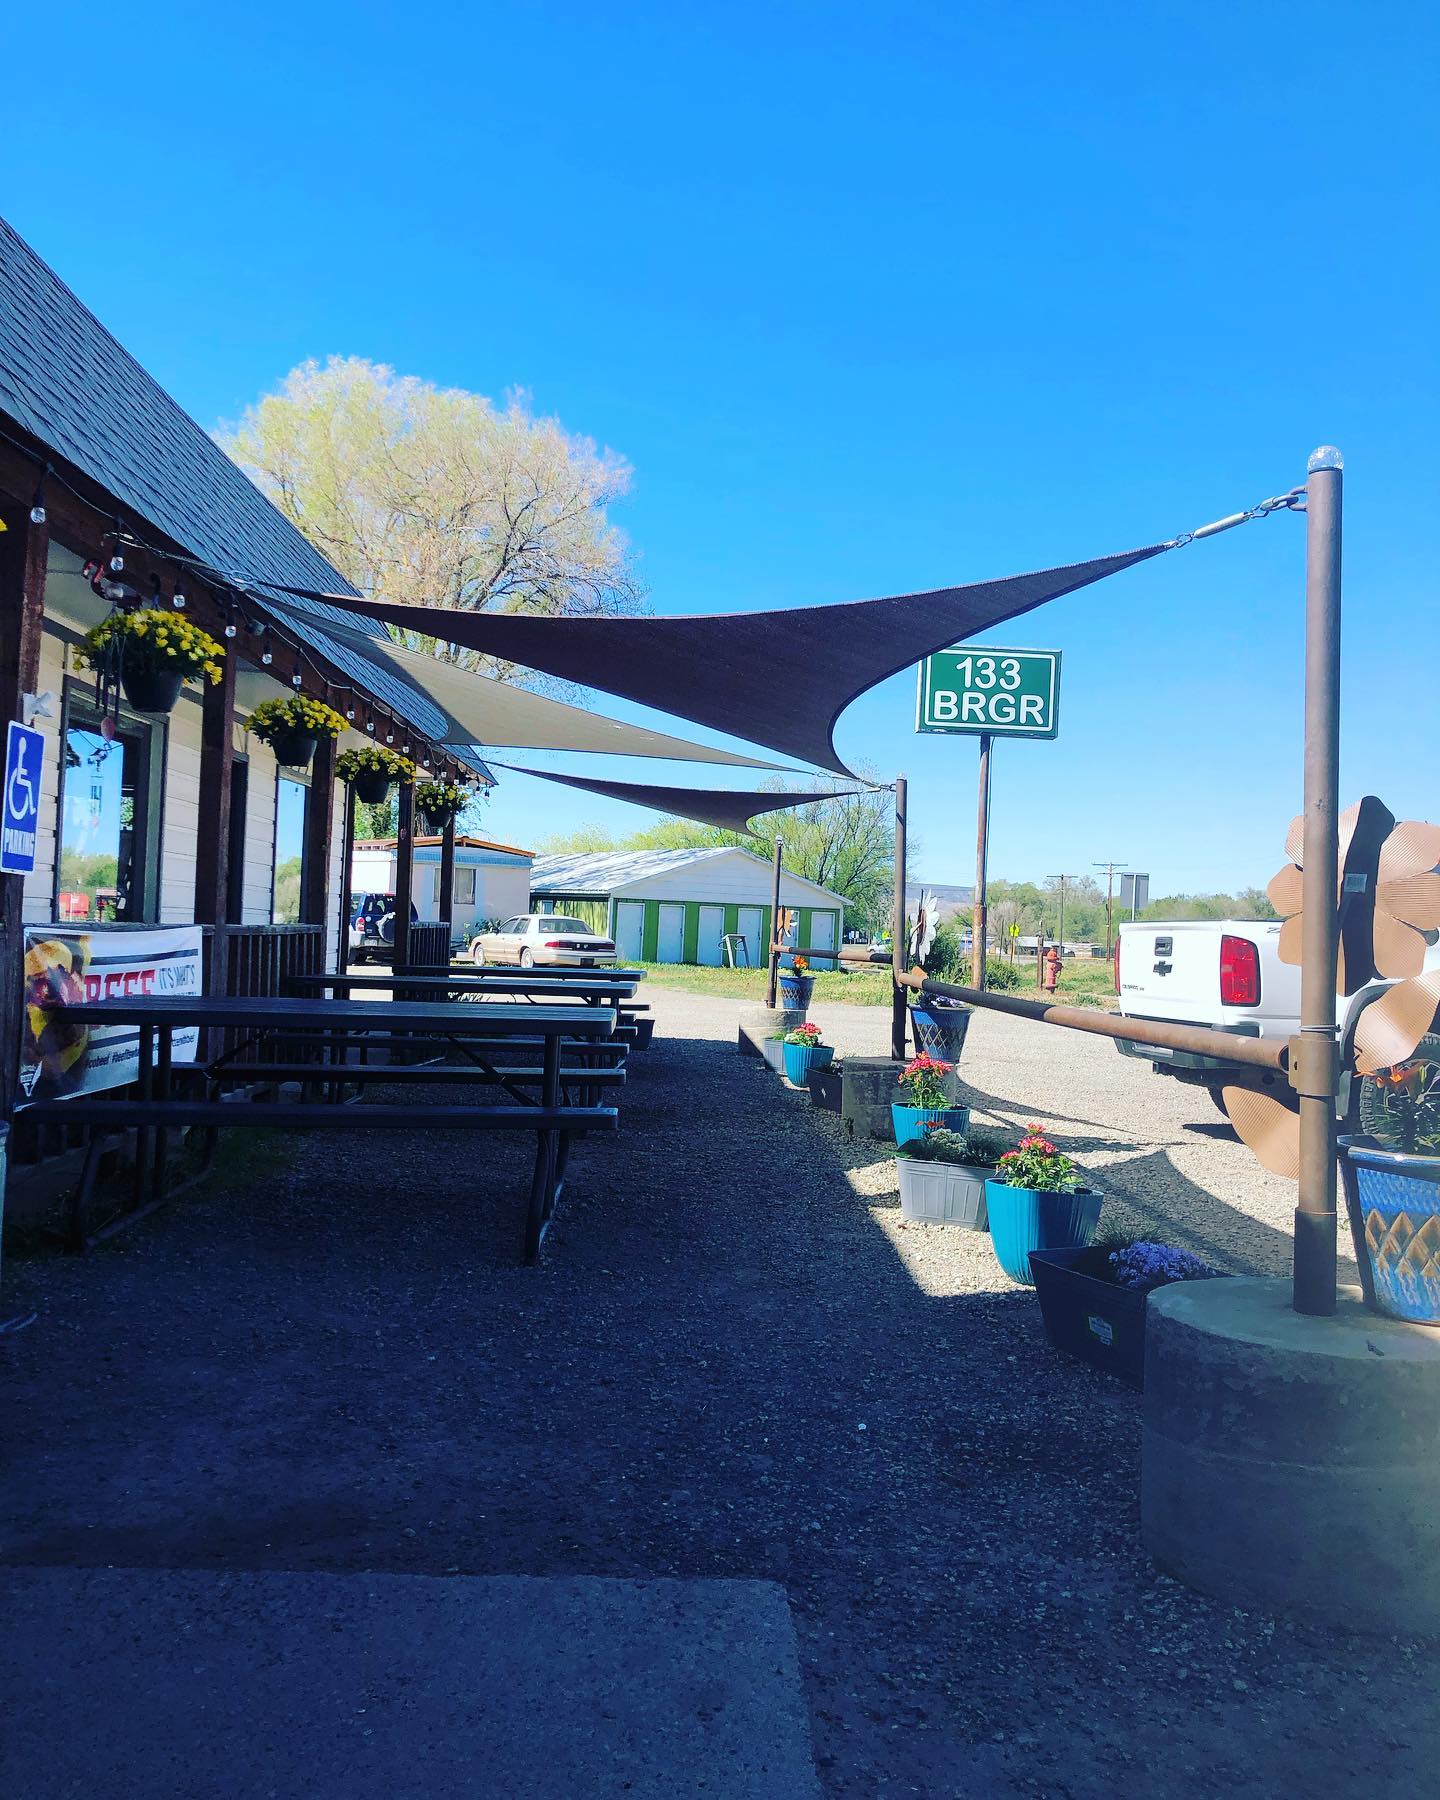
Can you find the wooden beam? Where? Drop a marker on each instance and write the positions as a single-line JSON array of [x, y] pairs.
[[404, 870], [447, 873], [212, 833], [23, 548], [319, 836], [342, 952]]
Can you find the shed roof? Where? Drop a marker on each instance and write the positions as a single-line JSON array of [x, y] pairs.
[[605, 871], [426, 839], [73, 387]]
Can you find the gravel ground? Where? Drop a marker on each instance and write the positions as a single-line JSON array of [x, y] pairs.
[[732, 1361]]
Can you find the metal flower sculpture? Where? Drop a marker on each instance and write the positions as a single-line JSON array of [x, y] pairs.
[[1388, 897]]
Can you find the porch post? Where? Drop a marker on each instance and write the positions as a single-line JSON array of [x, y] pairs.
[[447, 873], [342, 943], [23, 550], [404, 872], [212, 836], [319, 837]]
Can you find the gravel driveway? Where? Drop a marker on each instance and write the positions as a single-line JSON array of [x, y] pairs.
[[732, 1361]]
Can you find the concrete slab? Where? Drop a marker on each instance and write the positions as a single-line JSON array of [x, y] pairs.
[[188, 1685]]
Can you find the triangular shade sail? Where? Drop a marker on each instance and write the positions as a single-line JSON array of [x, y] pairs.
[[730, 810], [478, 710], [780, 679]]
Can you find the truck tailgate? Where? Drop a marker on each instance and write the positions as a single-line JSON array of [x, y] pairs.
[[1172, 971]]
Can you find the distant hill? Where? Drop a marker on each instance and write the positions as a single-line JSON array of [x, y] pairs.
[[951, 897]]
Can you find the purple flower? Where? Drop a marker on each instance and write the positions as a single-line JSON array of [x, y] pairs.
[[1145, 1266]]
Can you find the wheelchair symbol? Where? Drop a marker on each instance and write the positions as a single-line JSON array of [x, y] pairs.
[[21, 800]]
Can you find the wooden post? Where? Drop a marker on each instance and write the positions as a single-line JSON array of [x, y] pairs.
[[212, 832], [342, 950], [446, 902], [319, 836], [898, 945], [404, 871], [23, 550], [772, 955]]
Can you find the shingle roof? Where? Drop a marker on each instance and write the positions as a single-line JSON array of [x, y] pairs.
[[66, 381]]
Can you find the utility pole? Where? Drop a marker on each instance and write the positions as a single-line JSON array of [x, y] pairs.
[[1111, 870], [1060, 928]]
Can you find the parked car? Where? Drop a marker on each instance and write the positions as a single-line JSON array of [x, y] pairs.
[[1226, 974], [372, 927], [541, 940]]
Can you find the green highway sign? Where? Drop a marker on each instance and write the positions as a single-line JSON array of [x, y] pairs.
[[1003, 693]]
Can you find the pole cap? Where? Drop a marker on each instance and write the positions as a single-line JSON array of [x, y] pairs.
[[1326, 457]]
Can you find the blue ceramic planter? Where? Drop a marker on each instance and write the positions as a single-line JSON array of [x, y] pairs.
[[1394, 1204], [914, 1121], [1026, 1219], [795, 990], [940, 1031], [800, 1059]]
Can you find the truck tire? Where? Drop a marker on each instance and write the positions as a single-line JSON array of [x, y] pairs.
[[1393, 1112]]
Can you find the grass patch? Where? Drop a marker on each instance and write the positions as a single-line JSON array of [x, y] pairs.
[[1088, 983]]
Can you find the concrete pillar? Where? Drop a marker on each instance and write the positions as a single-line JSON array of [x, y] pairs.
[[868, 1090], [1291, 1463]]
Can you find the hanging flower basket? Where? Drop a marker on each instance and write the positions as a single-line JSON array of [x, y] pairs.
[[292, 727], [151, 654], [371, 769], [438, 802]]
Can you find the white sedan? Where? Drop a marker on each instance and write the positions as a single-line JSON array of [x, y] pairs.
[[543, 940]]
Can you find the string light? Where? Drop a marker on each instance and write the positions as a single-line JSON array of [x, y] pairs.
[[369, 724], [178, 601], [296, 679], [266, 658], [37, 505], [349, 712]]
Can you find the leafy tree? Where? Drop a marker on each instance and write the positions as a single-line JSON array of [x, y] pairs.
[[436, 496]]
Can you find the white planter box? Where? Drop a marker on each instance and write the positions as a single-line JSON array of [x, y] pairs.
[[936, 1193]]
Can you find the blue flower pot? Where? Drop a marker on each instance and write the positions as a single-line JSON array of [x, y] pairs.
[[795, 990], [1394, 1205], [914, 1121], [800, 1059], [940, 1031], [1026, 1219]]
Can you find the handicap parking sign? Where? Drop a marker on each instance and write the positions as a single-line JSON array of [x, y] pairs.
[[24, 754]]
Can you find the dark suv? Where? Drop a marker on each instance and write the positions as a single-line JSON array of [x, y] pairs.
[[372, 927]]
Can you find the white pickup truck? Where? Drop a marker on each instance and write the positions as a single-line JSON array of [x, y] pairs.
[[1224, 973]]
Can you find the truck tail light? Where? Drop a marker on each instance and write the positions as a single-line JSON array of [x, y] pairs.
[[1239, 972]]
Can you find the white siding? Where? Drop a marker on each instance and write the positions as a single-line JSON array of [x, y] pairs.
[[180, 810], [40, 886], [501, 891]]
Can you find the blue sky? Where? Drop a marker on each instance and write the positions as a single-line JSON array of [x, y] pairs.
[[874, 299]]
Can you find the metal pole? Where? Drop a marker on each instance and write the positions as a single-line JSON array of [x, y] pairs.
[[1061, 933], [898, 946], [773, 965], [1314, 1290], [982, 852]]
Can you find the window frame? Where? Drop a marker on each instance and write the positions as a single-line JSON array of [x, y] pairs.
[[78, 712]]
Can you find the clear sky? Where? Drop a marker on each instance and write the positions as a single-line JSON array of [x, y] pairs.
[[874, 299]]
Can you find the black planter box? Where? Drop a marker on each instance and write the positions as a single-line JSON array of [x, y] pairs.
[[825, 1088], [1088, 1316]]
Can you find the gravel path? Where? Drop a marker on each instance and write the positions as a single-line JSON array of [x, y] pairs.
[[733, 1360]]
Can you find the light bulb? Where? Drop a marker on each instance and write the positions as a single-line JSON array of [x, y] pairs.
[[369, 724], [229, 631], [266, 658], [296, 680], [178, 601], [37, 514], [117, 563], [389, 737], [349, 712], [1326, 457]]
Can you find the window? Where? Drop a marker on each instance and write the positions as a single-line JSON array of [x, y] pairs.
[[558, 923], [106, 869], [464, 887], [290, 800]]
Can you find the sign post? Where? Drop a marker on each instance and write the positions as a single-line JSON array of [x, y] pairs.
[[988, 693]]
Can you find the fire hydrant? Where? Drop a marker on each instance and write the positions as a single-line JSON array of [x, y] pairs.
[[1050, 978]]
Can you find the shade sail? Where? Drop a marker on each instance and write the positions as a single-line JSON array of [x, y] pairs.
[[731, 810], [778, 678], [455, 706]]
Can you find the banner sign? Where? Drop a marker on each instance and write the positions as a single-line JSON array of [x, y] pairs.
[[1002, 693], [24, 754], [60, 1057]]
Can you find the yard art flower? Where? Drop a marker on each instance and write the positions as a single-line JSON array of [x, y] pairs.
[[1388, 897]]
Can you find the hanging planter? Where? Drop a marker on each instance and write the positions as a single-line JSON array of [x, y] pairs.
[[371, 769], [292, 727], [150, 655], [438, 802]]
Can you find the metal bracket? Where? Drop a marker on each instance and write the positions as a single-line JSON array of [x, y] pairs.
[[1314, 1065]]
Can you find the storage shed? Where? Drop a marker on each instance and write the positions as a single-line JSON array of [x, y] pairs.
[[492, 881], [678, 905]]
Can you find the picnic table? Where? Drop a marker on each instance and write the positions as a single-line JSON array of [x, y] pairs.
[[332, 1024], [591, 986]]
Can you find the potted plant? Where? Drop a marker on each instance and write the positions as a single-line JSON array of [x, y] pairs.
[[773, 1050], [927, 1099], [940, 1025], [370, 769], [438, 802], [797, 984], [804, 1052], [1092, 1299], [293, 726], [1036, 1202], [943, 1175], [1392, 1187], [152, 653]]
